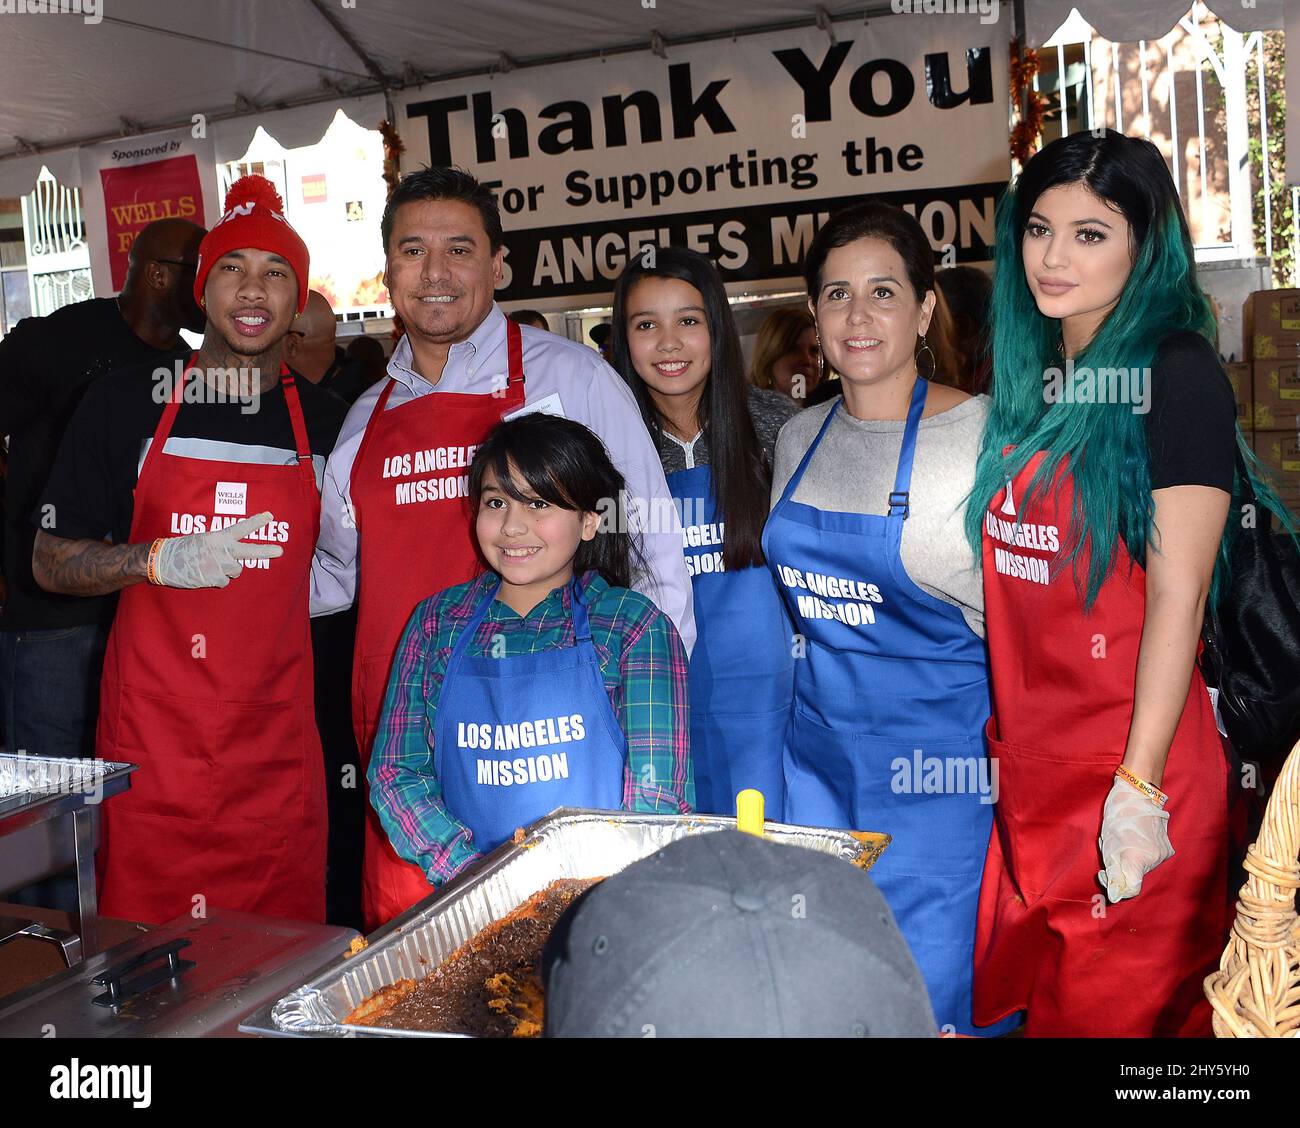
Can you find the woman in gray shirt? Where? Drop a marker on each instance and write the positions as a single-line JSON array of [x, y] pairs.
[[866, 540]]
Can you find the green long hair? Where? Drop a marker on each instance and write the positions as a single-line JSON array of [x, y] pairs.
[[1105, 443]]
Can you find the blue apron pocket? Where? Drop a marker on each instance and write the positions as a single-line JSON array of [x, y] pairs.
[[934, 797]]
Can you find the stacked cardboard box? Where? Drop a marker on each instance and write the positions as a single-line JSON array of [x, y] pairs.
[[1268, 387]]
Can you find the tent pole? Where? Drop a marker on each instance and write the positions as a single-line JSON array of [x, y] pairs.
[[375, 70]]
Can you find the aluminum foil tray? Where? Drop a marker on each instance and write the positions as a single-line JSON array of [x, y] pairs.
[[566, 843], [28, 780]]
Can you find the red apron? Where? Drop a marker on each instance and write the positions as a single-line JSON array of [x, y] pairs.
[[210, 692], [1048, 941], [416, 537]]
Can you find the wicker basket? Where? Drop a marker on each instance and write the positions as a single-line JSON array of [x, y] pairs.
[[1256, 991]]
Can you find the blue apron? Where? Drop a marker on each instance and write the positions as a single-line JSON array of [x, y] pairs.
[[891, 697], [517, 737], [742, 667]]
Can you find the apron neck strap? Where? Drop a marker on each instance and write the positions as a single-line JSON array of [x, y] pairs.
[[296, 419], [376, 413], [514, 353], [581, 624], [898, 500], [797, 476], [164, 429]]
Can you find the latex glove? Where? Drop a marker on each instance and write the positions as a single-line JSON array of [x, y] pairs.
[[1134, 840], [212, 560]]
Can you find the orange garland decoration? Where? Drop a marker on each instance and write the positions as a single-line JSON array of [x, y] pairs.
[[393, 149], [1025, 133]]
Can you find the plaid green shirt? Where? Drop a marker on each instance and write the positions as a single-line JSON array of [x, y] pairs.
[[645, 671]]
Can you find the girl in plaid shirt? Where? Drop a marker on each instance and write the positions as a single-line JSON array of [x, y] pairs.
[[543, 682]]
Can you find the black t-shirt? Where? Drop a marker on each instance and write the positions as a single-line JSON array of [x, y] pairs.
[[91, 486], [1191, 427], [46, 364]]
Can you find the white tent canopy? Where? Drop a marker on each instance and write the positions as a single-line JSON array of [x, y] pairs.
[[151, 64], [289, 65], [1127, 21]]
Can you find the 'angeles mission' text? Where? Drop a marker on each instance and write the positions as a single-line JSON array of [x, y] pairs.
[[1041, 538], [422, 462]]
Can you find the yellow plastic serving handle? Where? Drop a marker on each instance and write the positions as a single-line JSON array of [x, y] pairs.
[[749, 812]]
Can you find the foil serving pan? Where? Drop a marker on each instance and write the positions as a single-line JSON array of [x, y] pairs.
[[567, 843], [28, 780]]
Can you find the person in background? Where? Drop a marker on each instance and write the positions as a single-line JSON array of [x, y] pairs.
[[547, 654], [600, 335], [749, 966], [207, 682], [530, 317], [1105, 524], [52, 646], [787, 357], [395, 517], [309, 346], [941, 339], [675, 344], [866, 540], [365, 364], [968, 292]]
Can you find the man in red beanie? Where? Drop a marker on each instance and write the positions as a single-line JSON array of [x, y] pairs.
[[207, 685]]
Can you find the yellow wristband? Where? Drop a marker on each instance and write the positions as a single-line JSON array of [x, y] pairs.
[[1150, 790]]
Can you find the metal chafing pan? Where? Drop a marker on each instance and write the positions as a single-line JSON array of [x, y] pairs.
[[64, 793], [566, 843], [33, 788]]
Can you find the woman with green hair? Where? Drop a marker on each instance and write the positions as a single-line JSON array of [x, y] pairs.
[[1101, 498]]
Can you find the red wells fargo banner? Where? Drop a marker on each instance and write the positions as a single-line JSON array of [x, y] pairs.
[[129, 183]]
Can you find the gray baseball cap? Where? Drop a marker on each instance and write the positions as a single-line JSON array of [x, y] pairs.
[[725, 934]]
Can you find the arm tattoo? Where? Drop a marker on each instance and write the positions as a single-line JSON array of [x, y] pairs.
[[86, 567]]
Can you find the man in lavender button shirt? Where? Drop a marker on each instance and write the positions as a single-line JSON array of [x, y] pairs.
[[445, 252]]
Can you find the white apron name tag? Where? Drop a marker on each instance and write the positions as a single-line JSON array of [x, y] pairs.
[[549, 405]]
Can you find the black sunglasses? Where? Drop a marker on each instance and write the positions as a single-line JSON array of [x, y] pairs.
[[179, 262]]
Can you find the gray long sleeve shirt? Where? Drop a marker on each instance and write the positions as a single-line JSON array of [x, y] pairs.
[[853, 472]]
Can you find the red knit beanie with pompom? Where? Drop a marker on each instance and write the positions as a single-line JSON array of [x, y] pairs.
[[253, 217]]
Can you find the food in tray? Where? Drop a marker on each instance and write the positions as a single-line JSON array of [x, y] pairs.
[[490, 986]]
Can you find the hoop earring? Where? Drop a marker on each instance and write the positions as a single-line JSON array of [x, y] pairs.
[[934, 361]]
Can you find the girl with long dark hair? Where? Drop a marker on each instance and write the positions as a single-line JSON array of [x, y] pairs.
[[1100, 502], [543, 682], [675, 344], [866, 540]]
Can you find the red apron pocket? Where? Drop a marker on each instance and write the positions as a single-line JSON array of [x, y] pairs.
[[259, 762], [168, 738], [1048, 818]]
